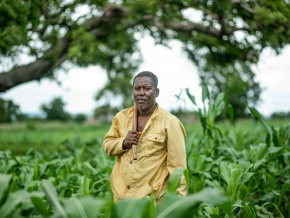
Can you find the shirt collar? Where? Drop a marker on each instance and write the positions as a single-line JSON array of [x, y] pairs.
[[155, 112]]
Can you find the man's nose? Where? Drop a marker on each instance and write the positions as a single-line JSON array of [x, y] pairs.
[[141, 91]]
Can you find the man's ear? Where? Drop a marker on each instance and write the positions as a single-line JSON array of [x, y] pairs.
[[157, 93]]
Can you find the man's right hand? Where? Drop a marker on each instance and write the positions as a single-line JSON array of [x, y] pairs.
[[132, 138]]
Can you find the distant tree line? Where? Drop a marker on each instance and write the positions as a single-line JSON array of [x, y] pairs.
[[280, 115], [54, 111]]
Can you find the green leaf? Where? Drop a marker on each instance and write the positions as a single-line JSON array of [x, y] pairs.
[[178, 96], [273, 150], [83, 207], [225, 172], [5, 181], [133, 208], [275, 205], [190, 96], [205, 93], [260, 118], [250, 209], [36, 169], [179, 207], [13, 201], [52, 196], [230, 110], [175, 180], [40, 205], [246, 177], [284, 189], [220, 98], [261, 150]]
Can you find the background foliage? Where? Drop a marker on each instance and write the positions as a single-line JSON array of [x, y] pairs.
[[223, 38]]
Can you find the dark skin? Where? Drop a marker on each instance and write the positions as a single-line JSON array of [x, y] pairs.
[[145, 95]]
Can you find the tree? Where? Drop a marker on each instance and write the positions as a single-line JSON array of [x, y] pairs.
[[55, 110], [9, 111], [114, 96], [80, 118], [229, 36], [239, 89]]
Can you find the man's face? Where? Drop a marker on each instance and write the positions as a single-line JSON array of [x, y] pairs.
[[144, 93]]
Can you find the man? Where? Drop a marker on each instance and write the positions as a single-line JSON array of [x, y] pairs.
[[160, 144]]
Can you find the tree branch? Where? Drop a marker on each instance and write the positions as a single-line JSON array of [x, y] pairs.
[[40, 68], [193, 27], [57, 54], [243, 6]]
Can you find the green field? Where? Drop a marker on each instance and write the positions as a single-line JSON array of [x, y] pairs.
[[60, 170], [19, 137], [46, 135]]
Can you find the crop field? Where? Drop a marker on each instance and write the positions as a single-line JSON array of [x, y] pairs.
[[46, 135], [237, 169]]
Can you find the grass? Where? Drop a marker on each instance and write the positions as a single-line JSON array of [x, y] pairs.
[[19, 137]]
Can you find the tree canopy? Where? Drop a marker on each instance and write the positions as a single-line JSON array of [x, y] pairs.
[[55, 110], [223, 38]]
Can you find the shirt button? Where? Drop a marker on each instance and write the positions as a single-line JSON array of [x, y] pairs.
[[128, 187], [131, 162]]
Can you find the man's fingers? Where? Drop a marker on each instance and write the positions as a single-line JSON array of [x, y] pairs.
[[133, 134], [132, 137]]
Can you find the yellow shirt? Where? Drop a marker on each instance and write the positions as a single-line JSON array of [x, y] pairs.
[[160, 150]]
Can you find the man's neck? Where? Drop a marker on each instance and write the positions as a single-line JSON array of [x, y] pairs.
[[147, 113]]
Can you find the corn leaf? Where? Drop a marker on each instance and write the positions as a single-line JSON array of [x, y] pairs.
[[175, 179], [5, 181], [128, 208], [12, 202], [40, 205], [179, 207], [52, 196]]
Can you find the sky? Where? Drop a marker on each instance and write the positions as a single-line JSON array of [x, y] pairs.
[[174, 71]]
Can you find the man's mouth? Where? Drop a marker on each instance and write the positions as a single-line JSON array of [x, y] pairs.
[[141, 100]]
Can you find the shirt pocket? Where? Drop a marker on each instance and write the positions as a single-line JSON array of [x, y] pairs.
[[156, 137], [155, 142]]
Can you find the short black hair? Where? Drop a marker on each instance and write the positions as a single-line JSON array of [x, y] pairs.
[[153, 77]]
